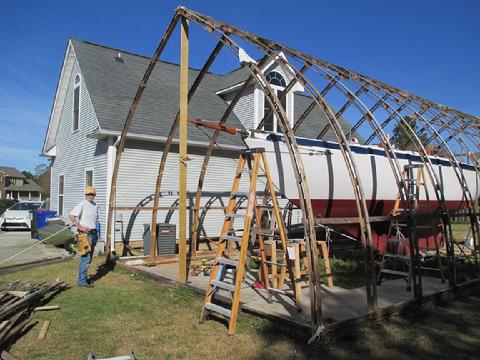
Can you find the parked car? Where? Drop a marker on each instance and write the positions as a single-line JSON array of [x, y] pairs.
[[19, 215]]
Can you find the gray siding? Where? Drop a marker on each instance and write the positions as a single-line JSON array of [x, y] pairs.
[[76, 153], [136, 183], [244, 109]]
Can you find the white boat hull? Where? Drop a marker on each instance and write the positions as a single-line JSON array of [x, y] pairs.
[[331, 189], [329, 182]]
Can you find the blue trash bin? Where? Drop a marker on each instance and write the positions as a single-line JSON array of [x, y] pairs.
[[42, 217]]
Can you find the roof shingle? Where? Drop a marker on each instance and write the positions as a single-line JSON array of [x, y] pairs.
[[11, 172]]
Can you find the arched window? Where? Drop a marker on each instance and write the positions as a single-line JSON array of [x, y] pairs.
[[270, 122], [275, 78], [76, 102]]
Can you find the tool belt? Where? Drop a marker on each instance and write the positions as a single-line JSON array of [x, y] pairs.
[[83, 245]]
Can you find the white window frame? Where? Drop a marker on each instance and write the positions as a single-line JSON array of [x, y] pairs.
[[61, 195], [75, 87], [276, 89], [85, 177]]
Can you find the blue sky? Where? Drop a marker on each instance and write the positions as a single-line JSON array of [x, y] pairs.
[[430, 48]]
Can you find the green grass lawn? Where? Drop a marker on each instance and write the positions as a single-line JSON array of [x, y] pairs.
[[460, 230], [158, 322]]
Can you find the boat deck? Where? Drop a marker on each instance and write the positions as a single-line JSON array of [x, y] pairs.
[[338, 304]]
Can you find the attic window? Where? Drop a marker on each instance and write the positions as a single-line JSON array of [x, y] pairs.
[[275, 78], [76, 103]]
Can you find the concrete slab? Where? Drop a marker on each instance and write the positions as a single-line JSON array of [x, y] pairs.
[[13, 242], [338, 304]]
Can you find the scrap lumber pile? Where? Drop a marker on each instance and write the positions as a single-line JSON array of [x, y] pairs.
[[17, 302]]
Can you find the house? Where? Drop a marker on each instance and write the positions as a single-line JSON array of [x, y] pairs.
[[95, 90], [15, 186]]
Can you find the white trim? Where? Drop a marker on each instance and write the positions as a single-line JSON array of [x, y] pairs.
[[85, 177], [54, 111], [287, 107], [75, 87], [288, 75], [266, 67], [99, 133], [256, 105], [274, 61], [51, 152], [291, 94], [111, 154], [62, 195], [229, 89]]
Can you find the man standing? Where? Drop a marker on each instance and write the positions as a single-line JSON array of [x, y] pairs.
[[85, 217]]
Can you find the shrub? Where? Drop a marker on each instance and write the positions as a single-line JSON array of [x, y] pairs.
[[5, 204]]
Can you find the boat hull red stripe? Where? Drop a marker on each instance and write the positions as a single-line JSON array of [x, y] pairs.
[[334, 208], [428, 229]]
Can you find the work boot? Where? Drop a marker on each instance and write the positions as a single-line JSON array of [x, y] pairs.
[[87, 285]]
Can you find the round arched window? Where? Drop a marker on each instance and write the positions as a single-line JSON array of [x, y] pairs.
[[275, 78]]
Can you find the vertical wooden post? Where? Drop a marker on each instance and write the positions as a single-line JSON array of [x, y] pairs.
[[326, 260], [298, 275], [182, 250], [273, 259]]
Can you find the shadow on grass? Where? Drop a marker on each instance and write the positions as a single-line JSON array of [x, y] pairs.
[[102, 270], [53, 294], [434, 331]]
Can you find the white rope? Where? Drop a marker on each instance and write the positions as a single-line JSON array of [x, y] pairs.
[[329, 229], [34, 245]]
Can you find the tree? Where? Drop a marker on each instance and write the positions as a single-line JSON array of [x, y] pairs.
[[42, 177], [27, 174], [44, 181], [401, 137], [40, 169]]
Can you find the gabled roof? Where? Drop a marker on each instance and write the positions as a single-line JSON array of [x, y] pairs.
[[316, 120], [112, 84], [234, 77], [11, 172], [60, 94], [112, 81], [29, 186]]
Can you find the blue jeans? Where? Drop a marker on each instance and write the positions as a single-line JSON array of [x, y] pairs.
[[85, 262]]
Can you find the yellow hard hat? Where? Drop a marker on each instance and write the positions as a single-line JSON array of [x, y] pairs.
[[90, 190]]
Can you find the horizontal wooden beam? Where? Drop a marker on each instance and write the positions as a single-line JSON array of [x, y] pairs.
[[173, 259], [150, 208], [351, 220]]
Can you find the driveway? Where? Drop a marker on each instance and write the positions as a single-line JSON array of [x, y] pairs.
[[12, 242]]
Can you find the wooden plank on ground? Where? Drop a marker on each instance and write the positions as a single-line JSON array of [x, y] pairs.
[[5, 355], [19, 294], [43, 330], [47, 308], [3, 324]]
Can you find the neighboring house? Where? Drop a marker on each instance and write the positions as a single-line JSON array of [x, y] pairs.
[[95, 90], [15, 186]]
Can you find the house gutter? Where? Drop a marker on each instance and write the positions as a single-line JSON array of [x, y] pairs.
[[102, 134]]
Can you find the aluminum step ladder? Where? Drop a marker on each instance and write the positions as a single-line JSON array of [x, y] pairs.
[[395, 255]]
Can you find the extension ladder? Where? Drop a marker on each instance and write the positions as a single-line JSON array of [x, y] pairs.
[[228, 270]]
